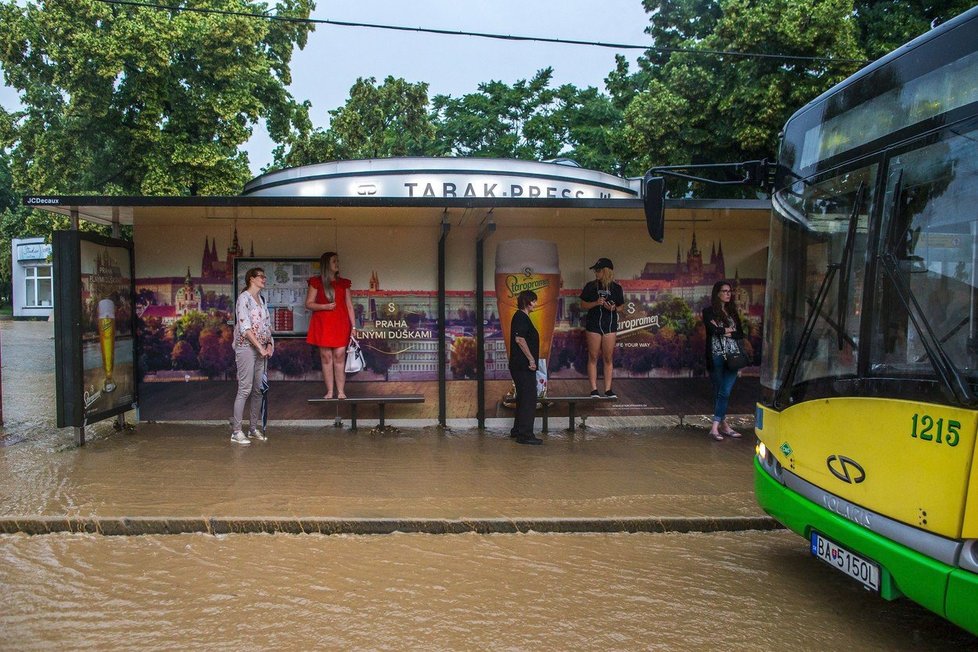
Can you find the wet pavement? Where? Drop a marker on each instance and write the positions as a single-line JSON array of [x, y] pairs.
[[631, 469]]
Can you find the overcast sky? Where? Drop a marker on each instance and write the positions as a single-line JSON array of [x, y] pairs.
[[452, 65]]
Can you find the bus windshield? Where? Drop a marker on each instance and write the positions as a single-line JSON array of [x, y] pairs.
[[928, 246], [922, 296], [815, 277]]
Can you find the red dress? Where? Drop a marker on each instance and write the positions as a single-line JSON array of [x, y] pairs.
[[330, 328]]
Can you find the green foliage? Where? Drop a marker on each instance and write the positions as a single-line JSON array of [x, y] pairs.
[[294, 358], [686, 108], [885, 25], [128, 100], [714, 108], [183, 356], [390, 119], [463, 361]]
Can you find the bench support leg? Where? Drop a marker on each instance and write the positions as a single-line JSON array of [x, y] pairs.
[[570, 411], [544, 416], [381, 405], [353, 416]]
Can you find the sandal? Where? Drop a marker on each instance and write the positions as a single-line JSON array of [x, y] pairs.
[[717, 436], [733, 434]]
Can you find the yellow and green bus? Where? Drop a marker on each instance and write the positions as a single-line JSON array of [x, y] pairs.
[[869, 408]]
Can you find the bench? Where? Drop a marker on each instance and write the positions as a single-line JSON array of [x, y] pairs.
[[381, 401], [571, 401]]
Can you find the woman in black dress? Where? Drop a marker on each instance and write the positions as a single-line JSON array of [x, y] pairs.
[[524, 350]]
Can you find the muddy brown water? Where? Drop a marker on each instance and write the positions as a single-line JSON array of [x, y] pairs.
[[726, 591], [743, 590]]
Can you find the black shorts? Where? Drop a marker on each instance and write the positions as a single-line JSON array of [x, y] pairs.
[[601, 321]]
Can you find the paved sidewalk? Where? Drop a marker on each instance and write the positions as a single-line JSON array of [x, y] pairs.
[[623, 475]]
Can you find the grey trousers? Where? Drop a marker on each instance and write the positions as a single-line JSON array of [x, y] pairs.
[[251, 365]]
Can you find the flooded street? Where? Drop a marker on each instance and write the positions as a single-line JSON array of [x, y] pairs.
[[714, 589], [463, 592]]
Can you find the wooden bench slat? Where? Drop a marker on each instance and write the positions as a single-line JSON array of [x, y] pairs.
[[380, 401], [572, 402], [372, 399]]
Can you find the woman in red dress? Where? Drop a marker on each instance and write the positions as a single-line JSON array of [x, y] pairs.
[[329, 299]]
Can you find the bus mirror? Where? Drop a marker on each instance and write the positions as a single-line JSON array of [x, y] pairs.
[[654, 204]]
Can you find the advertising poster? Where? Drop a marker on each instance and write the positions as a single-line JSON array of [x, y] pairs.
[[95, 330], [186, 292]]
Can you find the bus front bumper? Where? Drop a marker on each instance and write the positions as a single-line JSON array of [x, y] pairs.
[[946, 590]]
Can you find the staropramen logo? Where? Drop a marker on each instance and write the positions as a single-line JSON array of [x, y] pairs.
[[516, 283]]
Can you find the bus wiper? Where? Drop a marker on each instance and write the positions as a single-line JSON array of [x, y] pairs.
[[845, 266], [954, 384], [816, 304], [806, 334], [951, 380]]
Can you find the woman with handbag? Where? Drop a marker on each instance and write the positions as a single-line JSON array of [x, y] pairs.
[[724, 353], [331, 303]]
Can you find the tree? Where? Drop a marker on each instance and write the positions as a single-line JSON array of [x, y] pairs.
[[155, 344], [530, 120], [715, 108], [122, 99], [216, 357], [293, 358], [463, 361], [502, 121], [885, 25], [684, 107], [390, 119], [183, 356]]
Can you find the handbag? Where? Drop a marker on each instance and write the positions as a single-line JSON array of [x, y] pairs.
[[354, 357], [735, 360]]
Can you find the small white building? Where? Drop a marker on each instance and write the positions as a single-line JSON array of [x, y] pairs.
[[31, 277]]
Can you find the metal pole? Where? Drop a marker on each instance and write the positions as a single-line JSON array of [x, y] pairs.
[[480, 321], [120, 419], [79, 430], [442, 349]]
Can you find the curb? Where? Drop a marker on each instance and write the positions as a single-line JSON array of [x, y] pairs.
[[132, 526]]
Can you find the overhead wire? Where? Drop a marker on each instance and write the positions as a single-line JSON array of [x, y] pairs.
[[487, 35]]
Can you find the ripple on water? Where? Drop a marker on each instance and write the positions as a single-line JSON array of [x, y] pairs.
[[596, 591]]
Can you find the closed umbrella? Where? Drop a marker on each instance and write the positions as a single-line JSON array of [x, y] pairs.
[[264, 400]]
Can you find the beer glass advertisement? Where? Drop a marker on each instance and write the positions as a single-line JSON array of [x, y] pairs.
[[95, 329]]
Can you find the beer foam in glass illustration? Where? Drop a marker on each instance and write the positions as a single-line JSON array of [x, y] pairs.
[[529, 265], [106, 336]]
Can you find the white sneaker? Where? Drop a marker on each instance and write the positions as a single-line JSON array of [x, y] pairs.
[[239, 438], [257, 434]]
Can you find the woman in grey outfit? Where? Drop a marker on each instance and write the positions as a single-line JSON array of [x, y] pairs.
[[253, 346]]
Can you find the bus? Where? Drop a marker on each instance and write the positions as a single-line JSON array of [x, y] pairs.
[[867, 421]]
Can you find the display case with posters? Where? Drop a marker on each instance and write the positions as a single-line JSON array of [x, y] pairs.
[[94, 328], [285, 290]]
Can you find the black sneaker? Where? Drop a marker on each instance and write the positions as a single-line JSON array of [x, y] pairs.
[[610, 394], [595, 394], [530, 441]]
